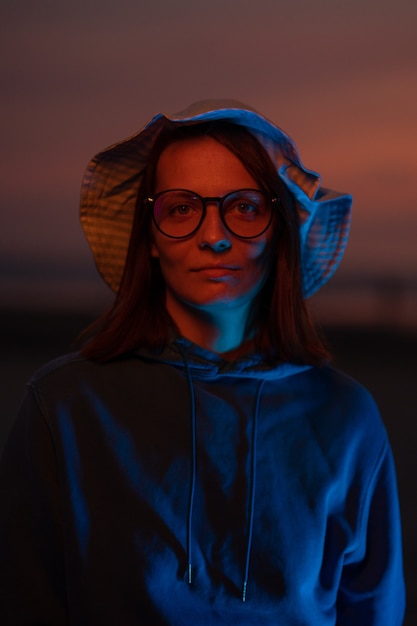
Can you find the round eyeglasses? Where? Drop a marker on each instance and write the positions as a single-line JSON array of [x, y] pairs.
[[179, 213]]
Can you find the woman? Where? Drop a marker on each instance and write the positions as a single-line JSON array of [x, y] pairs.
[[199, 462]]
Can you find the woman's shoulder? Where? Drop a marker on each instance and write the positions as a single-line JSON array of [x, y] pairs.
[[62, 367], [57, 366], [333, 384], [73, 369], [344, 408]]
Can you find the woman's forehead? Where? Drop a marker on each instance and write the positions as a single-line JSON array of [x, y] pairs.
[[201, 162]]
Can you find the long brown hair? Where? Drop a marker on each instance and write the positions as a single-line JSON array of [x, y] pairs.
[[138, 317]]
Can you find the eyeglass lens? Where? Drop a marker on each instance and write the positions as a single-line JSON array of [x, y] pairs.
[[178, 213]]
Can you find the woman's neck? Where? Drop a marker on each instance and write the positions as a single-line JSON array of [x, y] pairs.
[[222, 330]]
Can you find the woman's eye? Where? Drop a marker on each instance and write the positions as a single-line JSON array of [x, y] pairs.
[[181, 210], [243, 208]]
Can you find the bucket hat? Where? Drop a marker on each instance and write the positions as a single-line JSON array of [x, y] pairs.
[[112, 178]]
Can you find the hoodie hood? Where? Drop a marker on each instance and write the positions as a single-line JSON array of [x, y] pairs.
[[204, 364]]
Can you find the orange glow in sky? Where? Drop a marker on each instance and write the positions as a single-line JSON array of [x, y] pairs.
[[340, 78]]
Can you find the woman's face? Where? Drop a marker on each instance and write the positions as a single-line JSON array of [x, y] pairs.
[[211, 270]]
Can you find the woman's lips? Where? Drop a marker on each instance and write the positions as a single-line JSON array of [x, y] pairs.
[[216, 271]]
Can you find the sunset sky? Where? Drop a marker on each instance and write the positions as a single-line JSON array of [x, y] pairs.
[[339, 76]]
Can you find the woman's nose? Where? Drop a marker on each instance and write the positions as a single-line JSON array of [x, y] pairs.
[[212, 232]]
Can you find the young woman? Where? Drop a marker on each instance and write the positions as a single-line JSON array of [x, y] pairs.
[[199, 462]]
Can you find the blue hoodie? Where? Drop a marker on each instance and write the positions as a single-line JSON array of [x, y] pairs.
[[178, 488]]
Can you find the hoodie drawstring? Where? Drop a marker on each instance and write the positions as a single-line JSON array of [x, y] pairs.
[[252, 487], [252, 477], [193, 462]]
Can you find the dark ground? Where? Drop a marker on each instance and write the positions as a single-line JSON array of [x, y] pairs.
[[384, 360]]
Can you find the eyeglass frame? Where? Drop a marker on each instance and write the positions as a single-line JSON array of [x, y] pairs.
[[219, 200]]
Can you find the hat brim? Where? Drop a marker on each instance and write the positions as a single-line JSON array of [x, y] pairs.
[[113, 177]]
